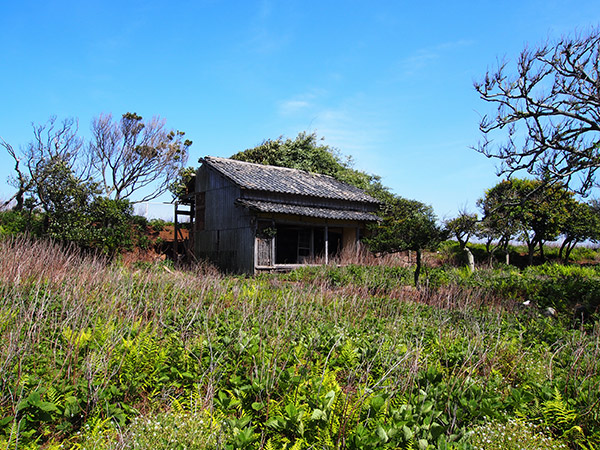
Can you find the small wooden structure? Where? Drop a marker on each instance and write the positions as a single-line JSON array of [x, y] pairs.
[[183, 242], [251, 217]]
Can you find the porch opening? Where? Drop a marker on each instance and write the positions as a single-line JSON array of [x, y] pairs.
[[300, 245]]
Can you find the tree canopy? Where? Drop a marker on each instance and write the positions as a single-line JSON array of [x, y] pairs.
[[406, 225], [462, 227], [77, 191], [126, 158], [583, 223], [130, 155], [306, 152], [526, 209], [547, 119]]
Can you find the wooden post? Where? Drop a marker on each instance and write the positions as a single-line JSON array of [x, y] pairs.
[[326, 244], [176, 239]]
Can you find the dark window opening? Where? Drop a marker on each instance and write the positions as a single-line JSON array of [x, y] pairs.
[[298, 245], [335, 241], [286, 245]]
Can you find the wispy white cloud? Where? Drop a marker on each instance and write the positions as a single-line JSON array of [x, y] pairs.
[[291, 107], [354, 125], [305, 103], [423, 58]]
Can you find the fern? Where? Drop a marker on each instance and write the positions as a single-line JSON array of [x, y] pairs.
[[53, 396], [297, 445], [348, 355], [143, 357], [178, 406], [557, 413]]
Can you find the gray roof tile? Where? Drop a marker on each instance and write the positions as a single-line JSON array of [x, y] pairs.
[[286, 181], [308, 211]]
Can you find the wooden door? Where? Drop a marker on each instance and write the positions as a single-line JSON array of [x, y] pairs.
[[264, 251]]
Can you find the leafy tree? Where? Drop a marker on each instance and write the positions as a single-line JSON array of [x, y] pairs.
[[495, 235], [63, 200], [74, 212], [527, 209], [17, 222], [57, 189], [53, 141], [548, 110], [406, 225], [179, 187], [462, 227], [306, 153], [583, 223], [130, 155], [303, 153], [113, 225], [60, 180]]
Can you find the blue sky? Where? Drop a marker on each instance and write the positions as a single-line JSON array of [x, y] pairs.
[[389, 83]]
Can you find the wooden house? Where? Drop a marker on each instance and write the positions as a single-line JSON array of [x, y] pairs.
[[251, 217]]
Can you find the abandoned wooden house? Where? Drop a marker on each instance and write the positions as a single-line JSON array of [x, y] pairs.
[[250, 217]]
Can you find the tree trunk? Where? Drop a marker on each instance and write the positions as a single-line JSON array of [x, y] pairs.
[[531, 250], [570, 247], [503, 244], [562, 247], [418, 268], [488, 250], [541, 243]]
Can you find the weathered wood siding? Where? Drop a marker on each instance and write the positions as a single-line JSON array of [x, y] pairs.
[[228, 235], [226, 232]]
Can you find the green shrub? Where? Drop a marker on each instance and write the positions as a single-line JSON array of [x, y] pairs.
[[18, 222], [159, 224]]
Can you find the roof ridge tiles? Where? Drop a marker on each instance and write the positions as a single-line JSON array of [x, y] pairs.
[[296, 181]]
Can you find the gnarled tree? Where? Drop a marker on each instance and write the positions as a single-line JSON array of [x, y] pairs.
[[530, 210], [462, 227], [547, 120], [407, 225], [53, 142], [130, 155], [583, 223], [21, 180]]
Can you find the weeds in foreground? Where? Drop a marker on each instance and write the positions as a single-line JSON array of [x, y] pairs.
[[95, 355]]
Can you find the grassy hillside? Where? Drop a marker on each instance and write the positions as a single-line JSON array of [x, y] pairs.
[[97, 356]]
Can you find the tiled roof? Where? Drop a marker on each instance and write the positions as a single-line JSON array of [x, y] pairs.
[[308, 211], [286, 181]]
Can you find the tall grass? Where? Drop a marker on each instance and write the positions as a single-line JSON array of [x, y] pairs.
[[334, 358]]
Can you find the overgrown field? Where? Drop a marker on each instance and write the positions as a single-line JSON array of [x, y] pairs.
[[97, 356]]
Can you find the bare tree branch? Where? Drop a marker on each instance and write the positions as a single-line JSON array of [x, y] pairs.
[[131, 156], [22, 182], [547, 114]]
